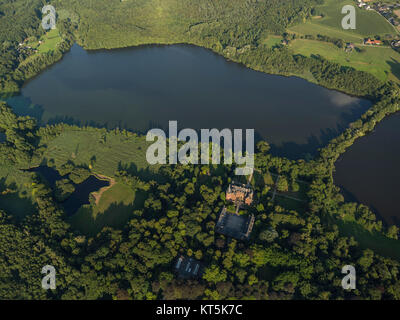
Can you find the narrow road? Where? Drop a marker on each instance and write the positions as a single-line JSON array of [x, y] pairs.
[[251, 177], [289, 197]]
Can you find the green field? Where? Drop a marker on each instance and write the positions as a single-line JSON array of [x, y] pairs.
[[311, 28], [50, 41], [107, 152], [115, 208], [381, 62], [272, 41], [368, 23]]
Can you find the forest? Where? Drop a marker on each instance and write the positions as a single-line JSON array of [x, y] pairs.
[[294, 252]]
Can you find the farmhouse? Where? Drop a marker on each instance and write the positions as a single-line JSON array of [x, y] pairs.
[[349, 47], [234, 225], [187, 267], [239, 194], [373, 42]]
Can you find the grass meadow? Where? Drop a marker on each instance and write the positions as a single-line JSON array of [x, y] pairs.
[[50, 41], [106, 153], [20, 199], [368, 23], [382, 62]]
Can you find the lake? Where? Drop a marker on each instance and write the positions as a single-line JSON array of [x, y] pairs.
[[82, 190], [144, 87], [369, 170]]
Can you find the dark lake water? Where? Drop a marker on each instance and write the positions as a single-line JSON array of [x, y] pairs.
[[145, 87], [82, 191], [370, 170]]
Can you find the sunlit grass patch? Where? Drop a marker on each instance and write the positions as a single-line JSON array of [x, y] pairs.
[[383, 63], [49, 41]]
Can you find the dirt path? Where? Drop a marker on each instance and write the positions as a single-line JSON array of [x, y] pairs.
[[276, 188], [97, 195]]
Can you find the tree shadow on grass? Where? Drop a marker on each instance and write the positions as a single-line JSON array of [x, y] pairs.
[[14, 202], [370, 240], [143, 174], [394, 68], [116, 216]]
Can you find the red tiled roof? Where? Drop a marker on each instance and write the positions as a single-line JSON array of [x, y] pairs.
[[371, 41]]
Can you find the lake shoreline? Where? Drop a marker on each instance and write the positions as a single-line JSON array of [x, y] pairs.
[[141, 101]]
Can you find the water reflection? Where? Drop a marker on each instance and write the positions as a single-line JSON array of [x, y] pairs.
[[369, 170], [82, 191]]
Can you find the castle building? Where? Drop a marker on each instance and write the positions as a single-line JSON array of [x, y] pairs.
[[239, 194]]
